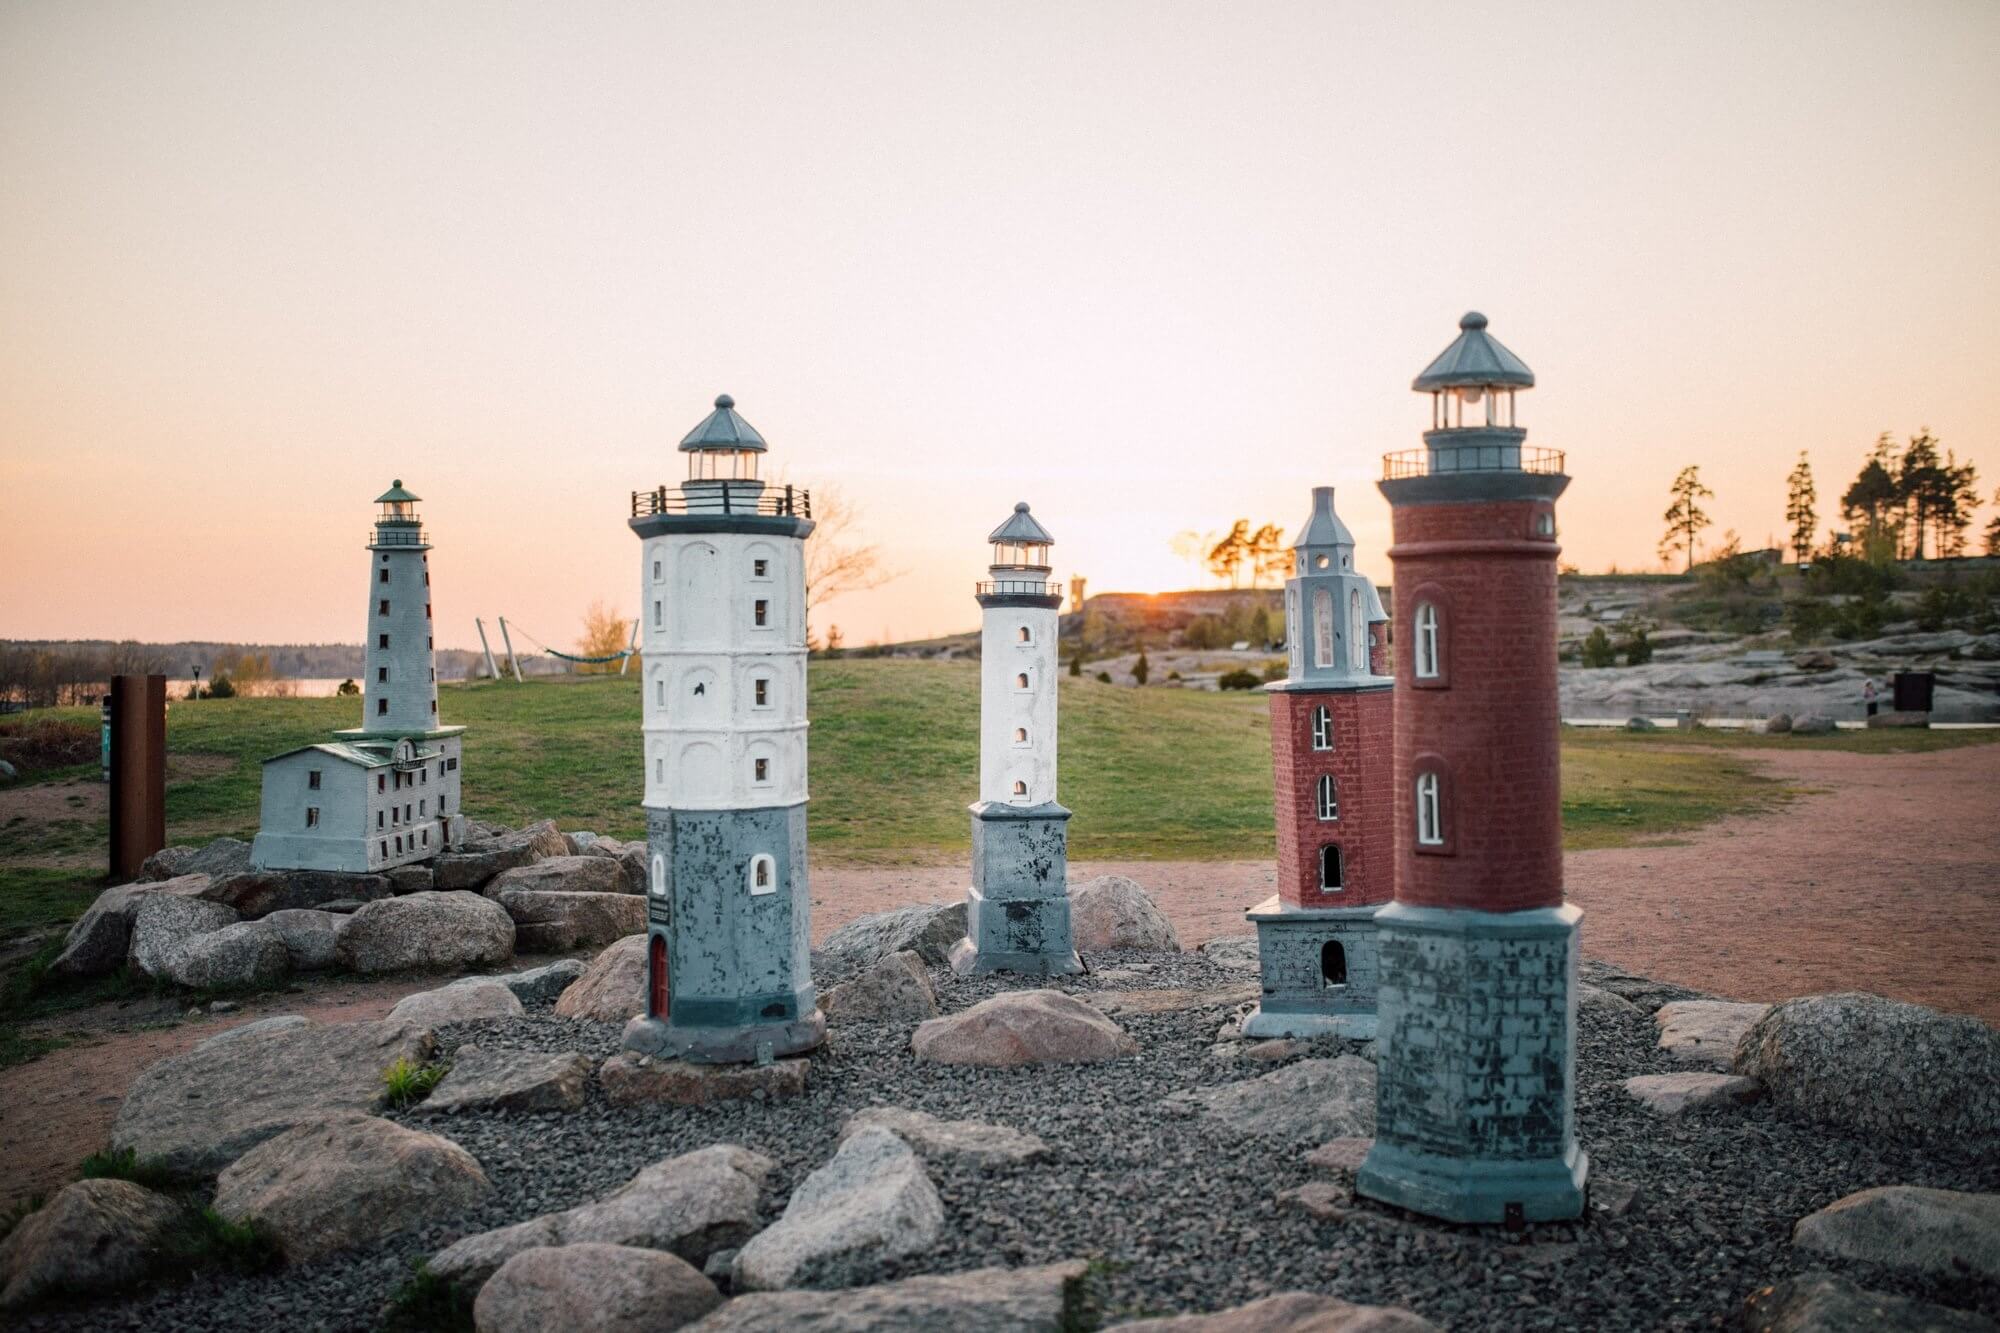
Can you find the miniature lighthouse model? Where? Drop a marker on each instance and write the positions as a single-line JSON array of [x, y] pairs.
[[386, 793], [1475, 1099], [722, 572], [1331, 753], [1017, 911]]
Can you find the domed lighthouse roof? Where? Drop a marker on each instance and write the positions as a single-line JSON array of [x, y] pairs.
[[1022, 528], [1476, 359], [396, 495], [724, 429]]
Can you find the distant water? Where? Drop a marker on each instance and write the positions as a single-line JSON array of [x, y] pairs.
[[300, 687]]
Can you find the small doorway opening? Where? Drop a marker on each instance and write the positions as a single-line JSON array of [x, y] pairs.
[[1329, 868], [1332, 964], [656, 975]]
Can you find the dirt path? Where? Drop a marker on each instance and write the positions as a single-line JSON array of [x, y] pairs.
[[1883, 876]]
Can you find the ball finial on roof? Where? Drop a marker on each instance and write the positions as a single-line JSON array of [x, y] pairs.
[[1473, 320], [723, 400], [1021, 507], [397, 482]]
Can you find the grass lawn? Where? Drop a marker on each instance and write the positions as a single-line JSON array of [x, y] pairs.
[[1152, 774]]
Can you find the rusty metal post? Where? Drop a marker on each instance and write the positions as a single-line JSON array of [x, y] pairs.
[[138, 771]]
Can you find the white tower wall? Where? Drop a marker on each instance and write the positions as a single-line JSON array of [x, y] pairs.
[[1017, 722]]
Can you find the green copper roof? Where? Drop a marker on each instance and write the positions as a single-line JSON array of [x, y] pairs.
[[1022, 527], [1323, 527], [724, 429], [396, 494], [1477, 358]]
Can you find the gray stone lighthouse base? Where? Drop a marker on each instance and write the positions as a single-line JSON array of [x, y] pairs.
[[1475, 1091], [1319, 971], [1017, 910], [754, 1043]]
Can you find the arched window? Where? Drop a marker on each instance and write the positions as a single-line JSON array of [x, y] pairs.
[[763, 875], [1322, 728], [1430, 811], [660, 691], [657, 975], [1329, 868], [1021, 681], [1027, 636], [1332, 964], [1020, 788], [1322, 627], [659, 876], [1327, 798], [1357, 632], [1426, 663], [1020, 735]]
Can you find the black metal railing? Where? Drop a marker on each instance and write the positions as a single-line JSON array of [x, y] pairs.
[[398, 537], [1018, 588], [771, 501], [1448, 458]]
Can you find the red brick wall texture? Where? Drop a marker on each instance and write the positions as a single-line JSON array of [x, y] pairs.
[[1361, 765]]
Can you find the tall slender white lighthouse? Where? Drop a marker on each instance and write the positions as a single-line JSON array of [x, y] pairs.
[[722, 591], [1017, 917]]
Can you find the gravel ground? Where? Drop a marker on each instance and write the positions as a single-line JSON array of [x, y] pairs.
[[1183, 1217]]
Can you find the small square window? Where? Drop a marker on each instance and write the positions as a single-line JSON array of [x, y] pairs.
[[312, 779], [381, 707], [382, 607], [382, 675], [760, 569], [381, 641], [385, 574], [312, 816]]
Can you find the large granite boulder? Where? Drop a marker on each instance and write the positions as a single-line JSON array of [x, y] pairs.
[[1915, 1232], [544, 983], [691, 1205], [1022, 1028], [1813, 724], [417, 878], [167, 863], [483, 858], [463, 1001], [872, 1202], [1880, 1067], [500, 1080], [1290, 1312], [101, 940], [431, 932], [220, 859], [1674, 1095], [247, 955], [93, 1237], [311, 937], [989, 1300], [633, 1078], [1238, 953], [198, 1112], [972, 1141], [556, 922], [637, 867], [344, 1179], [1823, 1303], [593, 1288], [1705, 1032], [1113, 912], [561, 874], [258, 893], [927, 929], [897, 989], [1302, 1104], [164, 923], [613, 988]]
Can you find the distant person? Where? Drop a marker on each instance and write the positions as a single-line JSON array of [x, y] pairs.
[[1868, 695]]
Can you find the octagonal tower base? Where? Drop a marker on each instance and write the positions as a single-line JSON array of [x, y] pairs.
[[1319, 971], [1017, 910]]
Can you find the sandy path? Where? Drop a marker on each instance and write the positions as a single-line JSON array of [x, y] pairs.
[[1883, 876]]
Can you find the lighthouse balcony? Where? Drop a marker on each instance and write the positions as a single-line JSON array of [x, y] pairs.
[[1494, 449], [1022, 587], [752, 499], [398, 536]]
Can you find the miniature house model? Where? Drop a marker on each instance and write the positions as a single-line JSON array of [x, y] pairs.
[[1017, 910], [387, 792], [1331, 754], [1475, 1096], [722, 582]]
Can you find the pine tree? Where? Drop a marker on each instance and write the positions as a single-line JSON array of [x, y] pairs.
[[1799, 512], [1684, 517]]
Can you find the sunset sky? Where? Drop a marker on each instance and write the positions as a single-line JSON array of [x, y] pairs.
[[1149, 266]]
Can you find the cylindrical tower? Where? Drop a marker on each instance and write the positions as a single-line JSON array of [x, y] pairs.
[[1017, 910], [722, 596], [1476, 1098], [1333, 794], [400, 692]]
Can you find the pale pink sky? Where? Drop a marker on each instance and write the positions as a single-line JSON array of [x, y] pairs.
[[1149, 266]]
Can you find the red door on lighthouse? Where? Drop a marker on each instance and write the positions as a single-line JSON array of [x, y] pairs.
[[657, 974]]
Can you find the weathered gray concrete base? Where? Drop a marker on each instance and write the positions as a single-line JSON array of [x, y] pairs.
[[1300, 999], [732, 1044], [1475, 1092], [1017, 910]]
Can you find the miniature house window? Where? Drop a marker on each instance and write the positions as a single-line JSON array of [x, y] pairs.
[[656, 571], [656, 613], [434, 707], [762, 612], [1427, 641], [423, 806], [760, 692], [1322, 728], [763, 875], [1430, 811], [427, 837], [659, 876], [1357, 632], [1020, 788], [1319, 562], [1021, 681], [380, 819], [312, 779], [1027, 635], [382, 675], [760, 569], [1020, 735], [381, 707], [427, 610], [1323, 627], [1326, 798], [1329, 868], [312, 816], [660, 692], [385, 573], [659, 770], [761, 770], [1332, 964], [382, 848], [381, 782], [382, 608], [381, 641], [1545, 524], [399, 844], [434, 675], [453, 765]]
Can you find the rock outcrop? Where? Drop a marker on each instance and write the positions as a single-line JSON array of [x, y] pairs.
[[1304, 1103], [897, 989], [1113, 912], [613, 988], [1023, 1028], [990, 1300], [463, 1001], [431, 932], [93, 1237], [593, 1288], [927, 929], [873, 1201]]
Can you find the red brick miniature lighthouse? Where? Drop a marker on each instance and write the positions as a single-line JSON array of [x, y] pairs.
[[1331, 759], [1475, 1103]]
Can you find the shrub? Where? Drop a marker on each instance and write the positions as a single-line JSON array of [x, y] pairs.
[[1275, 669], [220, 688], [32, 743], [1637, 646], [1810, 619], [1944, 606], [1239, 680], [1860, 618], [410, 1083], [1076, 664], [1597, 649], [430, 1303], [126, 1165], [1141, 669], [348, 687], [208, 1239], [1104, 676]]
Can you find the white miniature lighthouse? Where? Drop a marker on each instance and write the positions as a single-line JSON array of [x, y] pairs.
[[723, 591], [1017, 911]]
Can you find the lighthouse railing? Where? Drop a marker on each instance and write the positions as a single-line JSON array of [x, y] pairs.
[[770, 502], [1431, 461]]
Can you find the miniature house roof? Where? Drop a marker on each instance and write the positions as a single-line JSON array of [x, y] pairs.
[[1476, 358], [367, 756], [724, 429], [1374, 611], [396, 494], [1021, 527], [1324, 527]]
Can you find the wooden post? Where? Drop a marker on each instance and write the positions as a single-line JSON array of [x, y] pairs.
[[138, 771]]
